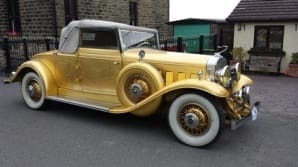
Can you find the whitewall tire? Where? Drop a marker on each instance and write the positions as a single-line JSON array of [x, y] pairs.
[[195, 120], [33, 90]]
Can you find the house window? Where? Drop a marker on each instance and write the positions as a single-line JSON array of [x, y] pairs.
[[269, 37], [133, 13], [70, 7], [14, 21]]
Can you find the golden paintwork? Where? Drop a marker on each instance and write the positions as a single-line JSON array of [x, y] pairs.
[[244, 81], [39, 66], [90, 76], [122, 82], [117, 68]]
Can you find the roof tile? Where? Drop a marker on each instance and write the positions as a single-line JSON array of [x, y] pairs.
[[265, 10]]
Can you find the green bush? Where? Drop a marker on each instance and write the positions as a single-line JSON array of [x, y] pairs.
[[239, 54], [294, 58]]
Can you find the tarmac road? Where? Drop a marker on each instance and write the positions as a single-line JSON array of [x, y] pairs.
[[64, 135]]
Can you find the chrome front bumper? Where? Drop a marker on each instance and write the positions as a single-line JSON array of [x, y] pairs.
[[251, 117]]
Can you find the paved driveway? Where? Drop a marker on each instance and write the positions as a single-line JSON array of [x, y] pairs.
[[64, 135], [278, 94]]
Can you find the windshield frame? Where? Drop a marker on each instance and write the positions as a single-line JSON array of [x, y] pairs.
[[123, 48]]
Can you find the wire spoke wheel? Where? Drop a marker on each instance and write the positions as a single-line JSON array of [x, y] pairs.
[[137, 88], [136, 83], [195, 120]]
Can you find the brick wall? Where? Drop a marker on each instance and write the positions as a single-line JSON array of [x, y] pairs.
[[2, 61], [3, 29], [154, 14], [151, 13], [90, 9], [37, 18], [37, 15], [60, 15]]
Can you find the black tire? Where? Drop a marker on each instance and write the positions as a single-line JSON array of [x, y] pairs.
[[33, 90], [195, 120]]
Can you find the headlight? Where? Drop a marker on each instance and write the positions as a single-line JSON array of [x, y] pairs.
[[214, 64], [223, 76]]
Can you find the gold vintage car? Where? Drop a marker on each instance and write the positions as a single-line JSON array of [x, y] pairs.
[[118, 68]]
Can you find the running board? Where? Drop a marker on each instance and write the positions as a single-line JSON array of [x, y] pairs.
[[78, 103]]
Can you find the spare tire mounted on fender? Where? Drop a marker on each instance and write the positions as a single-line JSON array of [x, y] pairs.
[[136, 82]]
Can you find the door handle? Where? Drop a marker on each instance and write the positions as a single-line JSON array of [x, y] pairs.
[[116, 62]]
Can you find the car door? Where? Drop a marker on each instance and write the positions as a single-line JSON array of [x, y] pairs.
[[99, 59], [66, 71]]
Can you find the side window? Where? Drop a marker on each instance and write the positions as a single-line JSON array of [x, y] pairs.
[[101, 39]]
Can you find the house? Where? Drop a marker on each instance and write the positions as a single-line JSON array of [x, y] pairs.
[[47, 17], [268, 30], [192, 28]]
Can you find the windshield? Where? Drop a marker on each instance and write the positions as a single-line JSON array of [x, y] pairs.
[[132, 38]]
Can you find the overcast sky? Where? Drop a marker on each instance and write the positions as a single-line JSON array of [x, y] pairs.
[[211, 9]]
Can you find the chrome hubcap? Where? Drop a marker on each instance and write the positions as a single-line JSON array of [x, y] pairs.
[[31, 90], [193, 119], [137, 88], [34, 91]]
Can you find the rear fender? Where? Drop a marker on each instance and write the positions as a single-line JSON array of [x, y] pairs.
[[43, 72]]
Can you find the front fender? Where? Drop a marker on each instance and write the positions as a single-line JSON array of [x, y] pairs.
[[43, 72], [243, 81], [202, 85]]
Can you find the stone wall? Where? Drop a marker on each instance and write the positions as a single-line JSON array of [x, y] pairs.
[[3, 18], [60, 15], [2, 61], [154, 14], [36, 18], [37, 15], [90, 9], [151, 13]]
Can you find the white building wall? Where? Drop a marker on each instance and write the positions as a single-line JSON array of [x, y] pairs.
[[244, 37]]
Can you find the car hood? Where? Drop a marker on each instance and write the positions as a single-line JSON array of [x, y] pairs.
[[160, 56]]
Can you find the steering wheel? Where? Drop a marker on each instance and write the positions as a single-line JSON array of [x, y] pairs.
[[145, 43]]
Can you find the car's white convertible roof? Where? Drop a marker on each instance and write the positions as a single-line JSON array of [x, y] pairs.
[[69, 38]]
